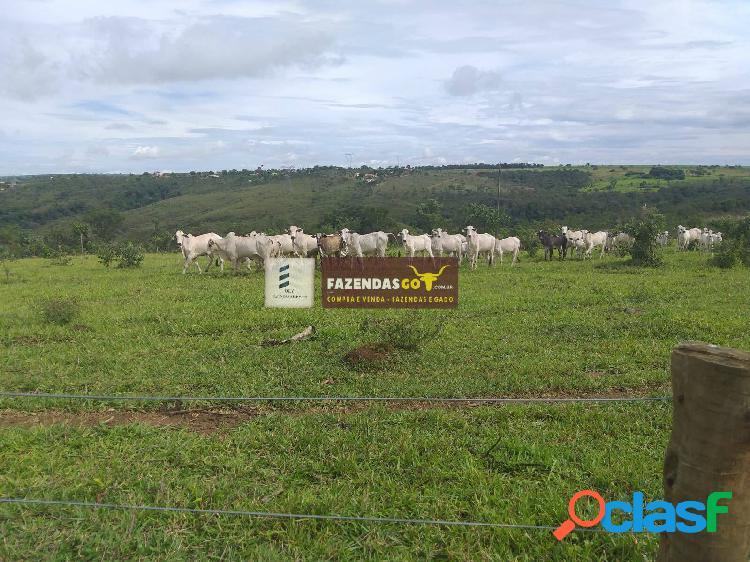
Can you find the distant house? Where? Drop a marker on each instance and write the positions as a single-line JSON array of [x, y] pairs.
[[214, 176], [158, 174]]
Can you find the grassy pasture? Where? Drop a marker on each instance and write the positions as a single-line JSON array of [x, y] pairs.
[[570, 329], [604, 174]]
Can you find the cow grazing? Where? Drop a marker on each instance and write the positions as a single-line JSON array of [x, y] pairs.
[[413, 244], [452, 244], [331, 244], [510, 245], [360, 245], [552, 241], [594, 240], [479, 244], [195, 246], [303, 245], [663, 238]]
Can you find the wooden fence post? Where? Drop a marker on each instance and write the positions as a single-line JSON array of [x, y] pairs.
[[709, 450]]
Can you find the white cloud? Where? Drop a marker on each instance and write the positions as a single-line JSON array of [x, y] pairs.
[[144, 152]]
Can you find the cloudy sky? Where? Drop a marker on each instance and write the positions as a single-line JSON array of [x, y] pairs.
[[135, 85]]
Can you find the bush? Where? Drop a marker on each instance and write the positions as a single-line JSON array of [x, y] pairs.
[[529, 242], [107, 253], [663, 173], [645, 250], [130, 255], [6, 256], [736, 245], [407, 333], [126, 254], [727, 255], [60, 257], [59, 311]]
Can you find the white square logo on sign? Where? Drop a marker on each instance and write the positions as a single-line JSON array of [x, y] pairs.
[[290, 282]]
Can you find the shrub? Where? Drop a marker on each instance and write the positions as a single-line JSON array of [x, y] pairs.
[[59, 311], [529, 242], [407, 333], [130, 255], [126, 254], [727, 255], [736, 245], [6, 256], [645, 250], [59, 257], [106, 253]]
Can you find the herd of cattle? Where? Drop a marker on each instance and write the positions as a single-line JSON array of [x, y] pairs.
[[257, 246]]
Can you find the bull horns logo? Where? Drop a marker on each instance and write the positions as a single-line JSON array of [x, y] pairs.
[[428, 278]]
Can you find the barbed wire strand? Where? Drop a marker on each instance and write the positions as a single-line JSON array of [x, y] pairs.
[[480, 400], [276, 515]]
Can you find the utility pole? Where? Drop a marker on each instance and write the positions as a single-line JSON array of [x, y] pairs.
[[498, 190], [497, 227]]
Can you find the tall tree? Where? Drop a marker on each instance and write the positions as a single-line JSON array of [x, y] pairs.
[[82, 230]]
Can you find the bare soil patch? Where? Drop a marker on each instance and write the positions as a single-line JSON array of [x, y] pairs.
[[213, 420], [368, 354], [199, 421]]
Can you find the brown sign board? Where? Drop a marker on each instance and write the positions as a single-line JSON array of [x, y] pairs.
[[389, 282]]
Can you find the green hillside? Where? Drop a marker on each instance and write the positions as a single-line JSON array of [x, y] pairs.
[[323, 198]]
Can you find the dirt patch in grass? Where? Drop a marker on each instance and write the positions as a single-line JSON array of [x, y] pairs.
[[39, 340], [199, 421], [368, 354], [215, 420]]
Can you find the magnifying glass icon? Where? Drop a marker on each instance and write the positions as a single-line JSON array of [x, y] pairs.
[[569, 524]]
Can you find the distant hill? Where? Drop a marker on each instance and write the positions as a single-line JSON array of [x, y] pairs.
[[323, 198]]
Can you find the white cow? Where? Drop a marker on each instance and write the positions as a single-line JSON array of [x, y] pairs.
[[687, 235], [510, 245], [243, 248], [284, 244], [594, 240], [195, 246], [682, 237], [453, 244], [413, 244], [479, 244], [663, 238], [303, 245], [575, 240], [709, 238], [620, 240], [360, 245]]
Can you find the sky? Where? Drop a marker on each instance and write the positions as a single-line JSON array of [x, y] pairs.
[[133, 85]]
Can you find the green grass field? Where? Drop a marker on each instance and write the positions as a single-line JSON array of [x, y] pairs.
[[595, 328]]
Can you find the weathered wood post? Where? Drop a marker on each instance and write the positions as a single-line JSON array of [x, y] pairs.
[[709, 450]]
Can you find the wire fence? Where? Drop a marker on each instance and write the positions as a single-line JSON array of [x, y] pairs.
[[277, 515], [431, 399], [310, 516]]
